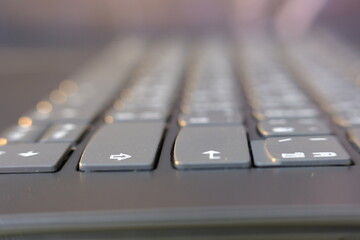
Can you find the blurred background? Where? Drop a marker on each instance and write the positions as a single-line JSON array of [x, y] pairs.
[[43, 41]]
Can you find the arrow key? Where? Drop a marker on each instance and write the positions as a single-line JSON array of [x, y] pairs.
[[123, 146], [32, 157], [211, 147]]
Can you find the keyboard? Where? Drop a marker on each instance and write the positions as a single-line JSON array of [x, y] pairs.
[[136, 89], [190, 131]]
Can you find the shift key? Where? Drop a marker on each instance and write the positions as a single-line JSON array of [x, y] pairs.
[[123, 146]]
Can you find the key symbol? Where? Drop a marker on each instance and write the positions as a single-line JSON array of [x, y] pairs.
[[28, 154], [293, 155], [324, 154], [283, 129], [211, 154], [120, 157]]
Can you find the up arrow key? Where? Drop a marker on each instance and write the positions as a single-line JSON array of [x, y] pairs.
[[212, 153], [226, 147]]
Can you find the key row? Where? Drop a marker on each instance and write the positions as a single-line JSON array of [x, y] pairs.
[[334, 82], [210, 95], [66, 112], [131, 140], [278, 103], [334, 85], [212, 132], [152, 88]]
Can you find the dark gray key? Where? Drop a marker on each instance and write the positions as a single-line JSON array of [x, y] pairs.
[[123, 146], [211, 147], [299, 151], [23, 134], [292, 127], [210, 117], [67, 132], [32, 157], [354, 135]]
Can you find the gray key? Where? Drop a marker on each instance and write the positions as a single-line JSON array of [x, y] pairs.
[[124, 116], [23, 134], [292, 127], [354, 135], [286, 113], [210, 117], [67, 132], [123, 146], [32, 157], [211, 147], [84, 114], [299, 151]]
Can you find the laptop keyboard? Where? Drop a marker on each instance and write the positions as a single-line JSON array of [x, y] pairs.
[[298, 101]]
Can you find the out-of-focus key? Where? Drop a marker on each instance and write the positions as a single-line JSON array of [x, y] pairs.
[[211, 147], [67, 132], [286, 113], [292, 127], [354, 135], [211, 117], [299, 151], [32, 157], [123, 146], [23, 134], [115, 116]]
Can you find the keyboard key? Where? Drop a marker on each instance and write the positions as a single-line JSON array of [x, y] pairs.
[[67, 132], [354, 135], [123, 146], [32, 157], [211, 147], [115, 116], [84, 114], [292, 127], [286, 113], [299, 151], [210, 117], [23, 134]]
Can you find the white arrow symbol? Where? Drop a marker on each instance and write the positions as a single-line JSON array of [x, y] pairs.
[[2, 152], [212, 153], [120, 157], [28, 154]]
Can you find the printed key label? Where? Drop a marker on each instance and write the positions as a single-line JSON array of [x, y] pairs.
[[293, 155], [324, 154]]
